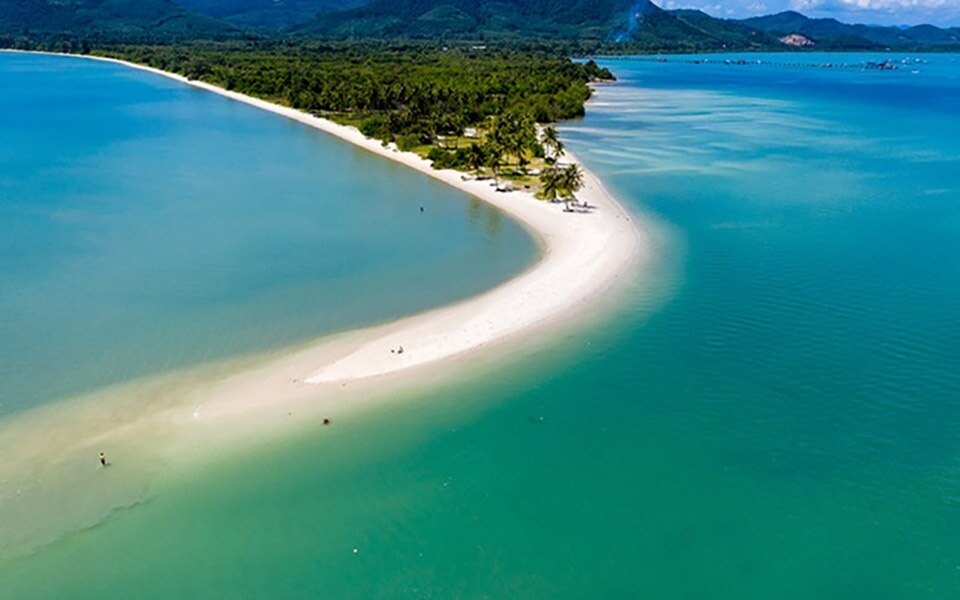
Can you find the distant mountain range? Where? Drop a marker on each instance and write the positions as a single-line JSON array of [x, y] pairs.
[[120, 19], [833, 32], [635, 24]]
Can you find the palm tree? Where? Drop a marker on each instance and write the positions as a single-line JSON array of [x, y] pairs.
[[451, 124], [515, 133], [493, 152], [550, 185], [552, 144], [571, 180], [524, 137], [476, 157]]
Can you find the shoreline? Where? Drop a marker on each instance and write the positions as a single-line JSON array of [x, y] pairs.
[[582, 254], [201, 414]]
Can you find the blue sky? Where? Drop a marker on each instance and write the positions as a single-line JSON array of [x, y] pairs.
[[885, 12]]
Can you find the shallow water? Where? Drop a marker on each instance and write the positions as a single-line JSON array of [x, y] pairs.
[[783, 425], [146, 225]]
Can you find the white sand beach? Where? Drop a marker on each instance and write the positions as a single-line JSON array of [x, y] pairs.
[[584, 256], [584, 253]]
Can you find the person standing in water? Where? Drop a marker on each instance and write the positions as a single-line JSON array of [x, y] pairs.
[[103, 459]]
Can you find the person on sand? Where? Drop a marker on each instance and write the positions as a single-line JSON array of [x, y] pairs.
[[103, 459], [400, 350]]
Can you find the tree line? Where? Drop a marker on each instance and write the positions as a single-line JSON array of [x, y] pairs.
[[465, 107], [412, 95]]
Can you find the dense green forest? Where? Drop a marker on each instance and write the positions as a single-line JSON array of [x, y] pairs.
[[393, 90], [463, 107]]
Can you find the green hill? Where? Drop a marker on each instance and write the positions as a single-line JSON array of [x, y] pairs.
[[503, 18], [720, 32], [267, 14], [573, 26], [637, 25], [640, 23], [121, 19]]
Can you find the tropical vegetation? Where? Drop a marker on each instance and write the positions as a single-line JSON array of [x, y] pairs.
[[560, 183], [462, 108]]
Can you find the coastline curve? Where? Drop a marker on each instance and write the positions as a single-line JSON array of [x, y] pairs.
[[182, 418], [583, 254]]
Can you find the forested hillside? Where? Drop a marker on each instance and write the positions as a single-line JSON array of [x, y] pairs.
[[566, 26], [117, 19], [638, 24], [267, 15]]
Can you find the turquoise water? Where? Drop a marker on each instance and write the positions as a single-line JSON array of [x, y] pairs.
[[146, 225], [772, 414]]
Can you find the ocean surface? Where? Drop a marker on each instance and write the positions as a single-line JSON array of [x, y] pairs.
[[146, 225], [773, 412]]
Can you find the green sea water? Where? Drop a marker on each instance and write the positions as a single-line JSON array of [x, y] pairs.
[[772, 412]]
